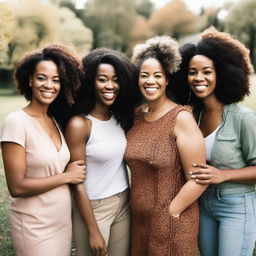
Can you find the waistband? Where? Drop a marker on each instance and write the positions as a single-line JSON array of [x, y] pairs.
[[232, 191]]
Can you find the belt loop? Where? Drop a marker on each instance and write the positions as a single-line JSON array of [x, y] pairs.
[[218, 194]]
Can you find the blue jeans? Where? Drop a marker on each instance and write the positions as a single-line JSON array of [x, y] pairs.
[[227, 223]]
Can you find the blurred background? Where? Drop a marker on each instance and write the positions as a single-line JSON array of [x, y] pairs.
[[118, 24]]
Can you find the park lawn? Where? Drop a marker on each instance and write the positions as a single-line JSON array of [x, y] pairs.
[[12, 103], [6, 248]]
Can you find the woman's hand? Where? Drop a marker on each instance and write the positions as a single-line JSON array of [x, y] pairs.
[[205, 174], [76, 172], [97, 244], [173, 212]]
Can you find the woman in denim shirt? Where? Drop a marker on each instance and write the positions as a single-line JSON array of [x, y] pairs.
[[215, 76]]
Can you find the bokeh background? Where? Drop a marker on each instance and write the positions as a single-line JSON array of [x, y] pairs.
[[118, 24]]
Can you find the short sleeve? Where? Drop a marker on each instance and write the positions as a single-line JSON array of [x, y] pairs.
[[248, 138], [13, 130]]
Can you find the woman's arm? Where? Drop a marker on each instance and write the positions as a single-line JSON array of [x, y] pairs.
[[207, 174], [77, 134], [19, 185], [191, 149]]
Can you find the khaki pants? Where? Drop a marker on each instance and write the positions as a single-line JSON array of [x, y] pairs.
[[113, 219]]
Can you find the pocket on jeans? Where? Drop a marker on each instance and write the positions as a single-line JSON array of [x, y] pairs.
[[95, 203], [251, 202], [232, 199]]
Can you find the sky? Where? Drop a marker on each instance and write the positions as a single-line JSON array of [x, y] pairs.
[[193, 5]]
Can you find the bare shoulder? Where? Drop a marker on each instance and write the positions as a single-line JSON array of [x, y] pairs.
[[185, 117], [77, 122], [186, 124], [78, 126]]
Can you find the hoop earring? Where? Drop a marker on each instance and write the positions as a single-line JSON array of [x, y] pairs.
[[189, 96]]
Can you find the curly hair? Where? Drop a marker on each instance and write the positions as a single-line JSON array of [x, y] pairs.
[[69, 69], [123, 107], [163, 48], [232, 64]]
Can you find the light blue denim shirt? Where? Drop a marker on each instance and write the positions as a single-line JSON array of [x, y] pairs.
[[235, 142]]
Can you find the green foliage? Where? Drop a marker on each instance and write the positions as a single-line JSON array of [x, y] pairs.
[[241, 23], [6, 248], [6, 29], [37, 23], [174, 19], [73, 32], [144, 8], [209, 17], [111, 22]]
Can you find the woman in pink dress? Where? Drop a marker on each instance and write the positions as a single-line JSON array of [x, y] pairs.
[[36, 156]]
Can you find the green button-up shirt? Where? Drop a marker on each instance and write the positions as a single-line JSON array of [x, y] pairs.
[[235, 142]]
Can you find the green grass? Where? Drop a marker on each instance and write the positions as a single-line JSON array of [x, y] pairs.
[[6, 248]]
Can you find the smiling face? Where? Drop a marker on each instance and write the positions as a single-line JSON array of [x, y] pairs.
[[106, 84], [152, 80], [45, 83], [202, 76]]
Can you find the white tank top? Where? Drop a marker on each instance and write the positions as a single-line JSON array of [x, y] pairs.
[[106, 171], [209, 141]]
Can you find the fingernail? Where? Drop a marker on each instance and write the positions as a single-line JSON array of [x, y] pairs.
[[194, 164], [190, 172]]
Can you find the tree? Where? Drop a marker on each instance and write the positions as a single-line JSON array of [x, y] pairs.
[[111, 22], [140, 31], [174, 19], [35, 24], [209, 17], [144, 8], [241, 23], [6, 29], [73, 32]]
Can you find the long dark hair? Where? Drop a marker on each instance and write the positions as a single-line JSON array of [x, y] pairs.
[[70, 72], [231, 62], [123, 107]]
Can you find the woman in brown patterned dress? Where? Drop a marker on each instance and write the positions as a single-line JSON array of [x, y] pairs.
[[162, 147]]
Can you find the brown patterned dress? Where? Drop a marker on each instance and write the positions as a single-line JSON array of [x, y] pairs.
[[156, 177]]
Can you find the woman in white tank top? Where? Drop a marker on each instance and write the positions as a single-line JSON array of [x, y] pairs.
[[104, 111]]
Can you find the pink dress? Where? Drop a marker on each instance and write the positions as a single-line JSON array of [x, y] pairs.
[[40, 225]]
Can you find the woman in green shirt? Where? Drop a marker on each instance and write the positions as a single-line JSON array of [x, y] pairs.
[[215, 76]]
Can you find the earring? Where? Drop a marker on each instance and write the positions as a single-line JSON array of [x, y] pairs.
[[189, 95]]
